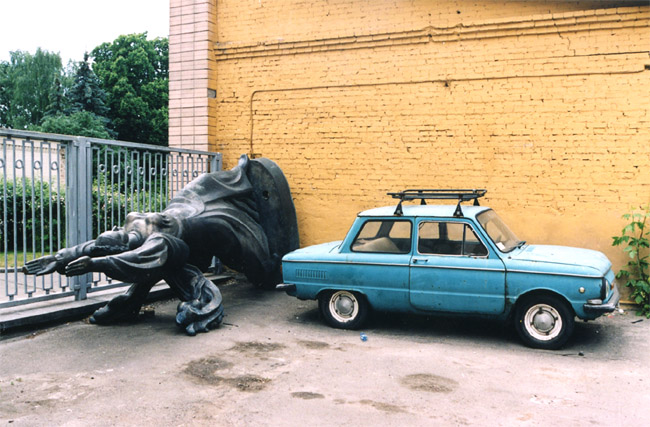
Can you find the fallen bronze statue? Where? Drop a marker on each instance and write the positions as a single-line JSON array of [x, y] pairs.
[[244, 216]]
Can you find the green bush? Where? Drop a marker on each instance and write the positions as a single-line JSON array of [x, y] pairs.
[[32, 216], [110, 205], [26, 224], [635, 238]]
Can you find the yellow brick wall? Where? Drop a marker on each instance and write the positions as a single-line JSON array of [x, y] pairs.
[[544, 103]]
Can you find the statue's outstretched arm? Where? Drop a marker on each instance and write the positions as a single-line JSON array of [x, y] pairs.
[[43, 265], [158, 254], [57, 262], [107, 243]]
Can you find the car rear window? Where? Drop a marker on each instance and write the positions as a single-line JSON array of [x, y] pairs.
[[384, 236]]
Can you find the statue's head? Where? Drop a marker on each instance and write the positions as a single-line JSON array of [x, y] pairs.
[[152, 222]]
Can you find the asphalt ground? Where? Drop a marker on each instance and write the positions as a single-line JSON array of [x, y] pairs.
[[274, 362]]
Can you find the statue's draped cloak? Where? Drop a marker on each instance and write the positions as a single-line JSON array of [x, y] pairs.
[[217, 217]]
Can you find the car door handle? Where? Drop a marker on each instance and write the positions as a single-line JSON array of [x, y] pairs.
[[421, 260]]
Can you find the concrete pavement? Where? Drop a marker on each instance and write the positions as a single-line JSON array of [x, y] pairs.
[[273, 362]]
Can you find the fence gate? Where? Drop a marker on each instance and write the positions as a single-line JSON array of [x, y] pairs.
[[58, 191]]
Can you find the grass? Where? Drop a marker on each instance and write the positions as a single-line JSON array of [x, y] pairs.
[[18, 258]]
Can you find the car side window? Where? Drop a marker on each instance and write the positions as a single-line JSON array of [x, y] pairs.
[[384, 236], [449, 238], [473, 245]]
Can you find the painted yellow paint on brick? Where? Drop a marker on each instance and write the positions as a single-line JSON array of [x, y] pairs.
[[544, 103]]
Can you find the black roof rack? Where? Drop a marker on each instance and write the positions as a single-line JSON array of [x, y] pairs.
[[437, 194]]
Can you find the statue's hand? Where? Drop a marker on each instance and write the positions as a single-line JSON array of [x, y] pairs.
[[79, 266], [41, 266]]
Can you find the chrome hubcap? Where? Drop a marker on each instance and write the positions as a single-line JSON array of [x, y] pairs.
[[543, 322], [343, 306]]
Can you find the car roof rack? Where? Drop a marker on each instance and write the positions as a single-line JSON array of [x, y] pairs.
[[437, 194]]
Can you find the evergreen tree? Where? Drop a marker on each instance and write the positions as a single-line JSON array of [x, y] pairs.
[[58, 102], [86, 93], [5, 94]]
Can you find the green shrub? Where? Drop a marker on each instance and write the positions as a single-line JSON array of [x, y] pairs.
[[635, 238], [32, 216], [110, 205], [35, 215]]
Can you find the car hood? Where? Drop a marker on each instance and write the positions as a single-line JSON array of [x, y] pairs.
[[323, 248], [564, 255]]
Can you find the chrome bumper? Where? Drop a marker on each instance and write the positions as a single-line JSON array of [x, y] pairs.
[[286, 287], [598, 307]]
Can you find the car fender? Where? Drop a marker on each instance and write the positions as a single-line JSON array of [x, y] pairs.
[[575, 290]]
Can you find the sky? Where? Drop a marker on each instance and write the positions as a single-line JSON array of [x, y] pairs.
[[72, 27]]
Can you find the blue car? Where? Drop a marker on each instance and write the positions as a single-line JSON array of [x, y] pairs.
[[451, 259]]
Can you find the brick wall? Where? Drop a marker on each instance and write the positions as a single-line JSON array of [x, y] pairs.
[[192, 73], [544, 103]]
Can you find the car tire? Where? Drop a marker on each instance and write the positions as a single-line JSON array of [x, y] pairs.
[[343, 309], [544, 321]]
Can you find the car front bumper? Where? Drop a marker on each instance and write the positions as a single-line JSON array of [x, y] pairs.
[[597, 307], [288, 288]]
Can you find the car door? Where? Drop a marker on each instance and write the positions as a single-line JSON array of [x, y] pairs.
[[453, 270], [377, 263]]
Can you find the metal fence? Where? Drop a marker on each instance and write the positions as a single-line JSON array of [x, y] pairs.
[[58, 191]]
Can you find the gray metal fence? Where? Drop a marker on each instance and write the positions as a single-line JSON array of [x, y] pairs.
[[58, 191]]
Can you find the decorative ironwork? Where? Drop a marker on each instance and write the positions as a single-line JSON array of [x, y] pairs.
[[59, 190]]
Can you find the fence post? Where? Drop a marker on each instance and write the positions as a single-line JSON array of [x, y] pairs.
[[215, 162], [79, 204]]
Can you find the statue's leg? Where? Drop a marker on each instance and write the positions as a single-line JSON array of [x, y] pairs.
[[125, 307], [200, 309]]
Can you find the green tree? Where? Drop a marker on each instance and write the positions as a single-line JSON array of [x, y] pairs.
[[80, 123], [134, 72], [86, 93], [27, 81], [5, 93], [58, 102]]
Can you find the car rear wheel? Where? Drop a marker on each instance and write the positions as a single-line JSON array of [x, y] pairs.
[[544, 321], [343, 309]]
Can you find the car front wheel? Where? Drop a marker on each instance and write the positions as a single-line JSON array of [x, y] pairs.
[[343, 309], [544, 321]]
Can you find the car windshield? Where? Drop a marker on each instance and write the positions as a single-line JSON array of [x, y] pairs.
[[498, 231]]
